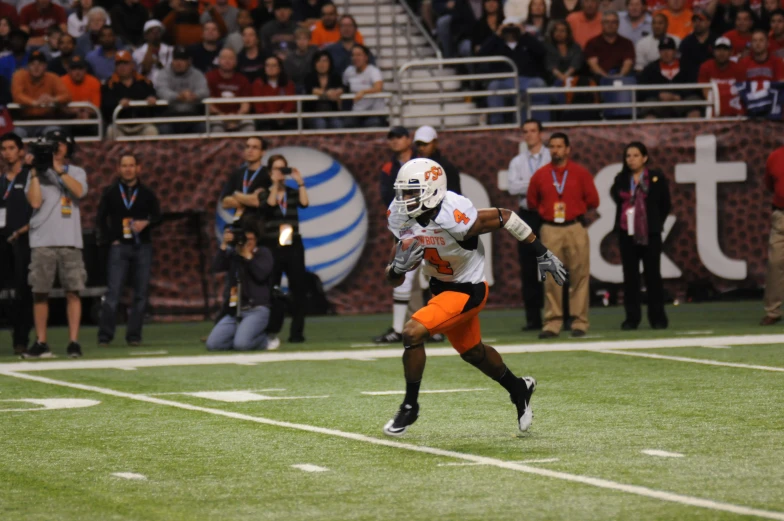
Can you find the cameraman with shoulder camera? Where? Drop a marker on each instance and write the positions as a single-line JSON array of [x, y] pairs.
[[54, 189], [247, 311]]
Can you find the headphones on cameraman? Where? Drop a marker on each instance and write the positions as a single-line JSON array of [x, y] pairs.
[[58, 136]]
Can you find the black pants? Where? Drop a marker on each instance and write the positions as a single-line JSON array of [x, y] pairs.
[[631, 254], [291, 261], [14, 266], [533, 290]]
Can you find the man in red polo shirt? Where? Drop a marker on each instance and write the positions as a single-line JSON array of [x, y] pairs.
[[776, 41], [36, 19], [774, 281], [761, 65], [610, 54], [562, 192], [741, 35]]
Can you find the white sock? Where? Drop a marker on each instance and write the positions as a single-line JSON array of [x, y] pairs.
[[399, 316]]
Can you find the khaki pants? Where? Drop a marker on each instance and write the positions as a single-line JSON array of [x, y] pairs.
[[571, 245], [774, 279]]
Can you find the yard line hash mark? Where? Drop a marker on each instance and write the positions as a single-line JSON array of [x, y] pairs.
[[564, 476], [307, 467], [696, 361], [662, 453], [434, 391]]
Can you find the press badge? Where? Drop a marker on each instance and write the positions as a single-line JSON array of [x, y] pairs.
[[126, 224], [559, 212], [233, 297], [3, 213], [65, 206], [286, 236], [630, 220]]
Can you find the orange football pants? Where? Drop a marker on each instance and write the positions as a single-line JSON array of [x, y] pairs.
[[446, 313]]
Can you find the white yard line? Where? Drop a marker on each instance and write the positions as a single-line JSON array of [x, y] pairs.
[[525, 461], [434, 391], [130, 475], [662, 453], [697, 361], [307, 467], [310, 356], [714, 346], [564, 476], [148, 353], [702, 332], [229, 390]]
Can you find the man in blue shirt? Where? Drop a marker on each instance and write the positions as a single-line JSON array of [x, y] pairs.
[[102, 59], [10, 63]]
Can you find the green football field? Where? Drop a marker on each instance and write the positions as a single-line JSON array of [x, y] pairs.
[[680, 424]]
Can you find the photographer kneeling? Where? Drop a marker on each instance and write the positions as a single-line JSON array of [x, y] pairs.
[[247, 311]]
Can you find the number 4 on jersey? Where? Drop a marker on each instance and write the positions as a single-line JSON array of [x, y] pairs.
[[460, 217], [442, 266]]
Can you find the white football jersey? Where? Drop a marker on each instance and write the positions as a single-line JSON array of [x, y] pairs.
[[449, 257]]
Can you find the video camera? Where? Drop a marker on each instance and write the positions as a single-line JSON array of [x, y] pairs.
[[238, 231], [43, 154]]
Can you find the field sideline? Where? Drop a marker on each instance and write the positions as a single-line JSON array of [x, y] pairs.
[[680, 424]]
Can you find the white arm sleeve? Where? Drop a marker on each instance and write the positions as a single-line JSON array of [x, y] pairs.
[[517, 227]]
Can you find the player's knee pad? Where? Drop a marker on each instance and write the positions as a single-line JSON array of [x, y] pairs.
[[475, 355], [402, 293]]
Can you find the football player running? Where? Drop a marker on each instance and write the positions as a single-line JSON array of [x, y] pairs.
[[443, 228]]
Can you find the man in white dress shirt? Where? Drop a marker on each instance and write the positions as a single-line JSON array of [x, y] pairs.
[[521, 169], [154, 55]]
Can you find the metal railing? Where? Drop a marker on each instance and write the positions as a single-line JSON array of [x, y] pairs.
[[408, 98], [712, 104], [28, 123], [299, 115]]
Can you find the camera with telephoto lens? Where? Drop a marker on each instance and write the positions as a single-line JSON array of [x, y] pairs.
[[43, 154], [238, 232]]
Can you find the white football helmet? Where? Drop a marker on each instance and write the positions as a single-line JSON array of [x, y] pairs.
[[425, 180]]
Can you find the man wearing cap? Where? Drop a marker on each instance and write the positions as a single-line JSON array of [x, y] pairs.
[[183, 86], [154, 56], [124, 86], [697, 47], [129, 18], [226, 11], [647, 50], [18, 57], [35, 19], [667, 70], [56, 243], [82, 87], [635, 22], [426, 142], [40, 93], [720, 69], [102, 59], [278, 35]]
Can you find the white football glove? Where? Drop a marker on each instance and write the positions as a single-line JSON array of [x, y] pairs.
[[407, 260], [549, 263]]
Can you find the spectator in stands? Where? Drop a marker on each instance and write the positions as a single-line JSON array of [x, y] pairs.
[[322, 81], [491, 19], [204, 55], [326, 31], [561, 9], [235, 40], [697, 48], [264, 13], [10, 13], [227, 11], [678, 18], [761, 66], [154, 56], [536, 22], [274, 82], [97, 18], [647, 49], [18, 57], [529, 57], [724, 14], [720, 69], [51, 48], [250, 61], [6, 27], [444, 10], [226, 82], [774, 279], [776, 43], [427, 145], [129, 19], [36, 18], [564, 58], [642, 199], [77, 20], [563, 192], [127, 212], [15, 240], [308, 12], [740, 36], [124, 86], [183, 87], [586, 24], [635, 22], [668, 70], [56, 242], [609, 55], [278, 35], [342, 51], [102, 58], [41, 94], [82, 87], [765, 12], [298, 61], [184, 28], [465, 16], [163, 8], [363, 78], [59, 65]]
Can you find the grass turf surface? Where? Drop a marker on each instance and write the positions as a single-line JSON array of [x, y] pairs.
[[594, 412]]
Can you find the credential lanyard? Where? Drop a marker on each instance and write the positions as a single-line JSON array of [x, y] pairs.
[[247, 183], [560, 187], [10, 184], [284, 203], [632, 183], [128, 204]]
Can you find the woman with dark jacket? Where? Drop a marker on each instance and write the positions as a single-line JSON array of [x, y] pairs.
[[324, 82], [642, 196]]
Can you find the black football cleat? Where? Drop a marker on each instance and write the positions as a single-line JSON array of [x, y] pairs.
[[406, 415], [390, 337], [525, 415]]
